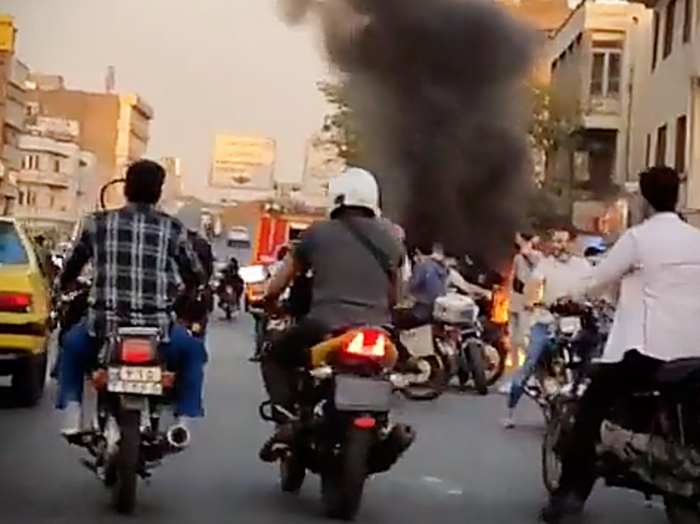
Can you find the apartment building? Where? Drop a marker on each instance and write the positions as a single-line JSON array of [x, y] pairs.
[[115, 128], [52, 174], [667, 110], [597, 76], [173, 189], [13, 75]]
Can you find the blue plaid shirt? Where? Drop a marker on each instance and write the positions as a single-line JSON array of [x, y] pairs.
[[136, 252]]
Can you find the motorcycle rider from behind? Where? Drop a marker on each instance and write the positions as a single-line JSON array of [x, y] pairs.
[[135, 251], [354, 259], [195, 303], [657, 265]]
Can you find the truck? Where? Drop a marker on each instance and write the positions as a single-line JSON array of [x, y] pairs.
[[277, 229]]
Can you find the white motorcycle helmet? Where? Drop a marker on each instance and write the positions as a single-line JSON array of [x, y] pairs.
[[355, 187]]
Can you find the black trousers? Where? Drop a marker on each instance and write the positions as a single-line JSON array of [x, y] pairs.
[[289, 352], [609, 383]]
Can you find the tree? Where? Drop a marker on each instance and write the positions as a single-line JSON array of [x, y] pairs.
[[339, 130], [552, 127]]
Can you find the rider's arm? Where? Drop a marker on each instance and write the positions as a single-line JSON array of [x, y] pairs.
[[81, 254], [622, 260], [461, 283], [281, 278]]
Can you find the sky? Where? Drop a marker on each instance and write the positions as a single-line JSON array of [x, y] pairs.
[[205, 66]]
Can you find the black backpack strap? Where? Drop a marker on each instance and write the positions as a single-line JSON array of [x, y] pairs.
[[377, 253]]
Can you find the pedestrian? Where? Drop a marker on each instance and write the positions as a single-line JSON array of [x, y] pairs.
[[551, 279], [523, 265]]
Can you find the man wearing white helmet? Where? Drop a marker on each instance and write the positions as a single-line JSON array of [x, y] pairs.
[[354, 258]]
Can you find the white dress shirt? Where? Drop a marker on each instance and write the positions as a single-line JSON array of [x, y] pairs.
[[557, 277], [657, 264]]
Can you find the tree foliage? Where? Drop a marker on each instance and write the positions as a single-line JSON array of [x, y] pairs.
[[339, 130]]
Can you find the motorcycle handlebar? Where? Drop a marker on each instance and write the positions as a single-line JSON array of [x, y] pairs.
[[103, 190]]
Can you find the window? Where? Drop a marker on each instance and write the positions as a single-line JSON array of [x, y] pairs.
[[681, 138], [660, 158], [11, 248], [20, 198], [52, 201], [669, 27], [647, 153], [605, 72], [31, 109], [687, 20], [655, 41], [30, 162], [56, 165]]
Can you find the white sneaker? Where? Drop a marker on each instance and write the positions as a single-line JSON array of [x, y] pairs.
[[72, 419], [508, 422]]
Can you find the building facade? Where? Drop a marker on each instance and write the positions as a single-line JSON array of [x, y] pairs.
[[52, 171], [114, 128], [667, 110], [596, 78], [321, 164], [13, 76], [173, 189]]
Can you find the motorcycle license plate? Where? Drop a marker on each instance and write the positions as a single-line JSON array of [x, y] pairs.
[[569, 325], [362, 394], [135, 380]]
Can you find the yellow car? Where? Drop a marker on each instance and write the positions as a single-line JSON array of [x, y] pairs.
[[25, 305]]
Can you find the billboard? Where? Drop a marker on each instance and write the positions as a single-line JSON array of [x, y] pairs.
[[243, 162], [7, 34]]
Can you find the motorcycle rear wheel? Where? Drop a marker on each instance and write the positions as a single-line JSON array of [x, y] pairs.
[[551, 449], [292, 473], [342, 487], [127, 463]]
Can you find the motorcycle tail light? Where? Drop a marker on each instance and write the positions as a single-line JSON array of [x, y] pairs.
[[369, 345], [136, 350], [364, 422]]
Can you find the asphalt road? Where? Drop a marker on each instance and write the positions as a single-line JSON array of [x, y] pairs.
[[462, 468]]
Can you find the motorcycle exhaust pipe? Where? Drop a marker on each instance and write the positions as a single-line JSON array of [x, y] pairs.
[[178, 437]]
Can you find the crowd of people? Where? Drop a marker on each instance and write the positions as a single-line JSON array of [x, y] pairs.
[[361, 272]]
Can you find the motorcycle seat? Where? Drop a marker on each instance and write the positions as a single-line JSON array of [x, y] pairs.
[[682, 371]]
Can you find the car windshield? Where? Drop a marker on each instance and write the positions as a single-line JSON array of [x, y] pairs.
[[11, 248]]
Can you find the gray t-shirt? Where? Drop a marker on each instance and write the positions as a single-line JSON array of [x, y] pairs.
[[350, 287]]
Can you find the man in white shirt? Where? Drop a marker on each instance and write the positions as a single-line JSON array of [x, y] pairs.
[[657, 264], [550, 280]]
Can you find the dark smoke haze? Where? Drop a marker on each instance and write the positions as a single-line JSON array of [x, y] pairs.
[[435, 86]]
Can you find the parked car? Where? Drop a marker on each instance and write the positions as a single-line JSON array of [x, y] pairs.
[[25, 309]]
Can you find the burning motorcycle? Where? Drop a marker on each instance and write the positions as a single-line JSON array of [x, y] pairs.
[[343, 414]]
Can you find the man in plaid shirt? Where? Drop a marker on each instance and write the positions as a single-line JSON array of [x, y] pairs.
[[135, 252]]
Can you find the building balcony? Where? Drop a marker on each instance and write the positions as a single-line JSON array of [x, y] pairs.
[[46, 178]]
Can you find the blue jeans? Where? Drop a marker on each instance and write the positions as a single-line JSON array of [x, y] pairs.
[[539, 342], [260, 326], [183, 354]]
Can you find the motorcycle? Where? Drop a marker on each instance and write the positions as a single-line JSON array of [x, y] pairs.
[[452, 346], [133, 390], [68, 310], [579, 334], [343, 418], [228, 301], [648, 442], [127, 394]]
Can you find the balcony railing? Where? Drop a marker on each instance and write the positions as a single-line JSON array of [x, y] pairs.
[[47, 178]]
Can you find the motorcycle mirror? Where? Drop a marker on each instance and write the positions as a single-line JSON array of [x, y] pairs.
[[253, 274]]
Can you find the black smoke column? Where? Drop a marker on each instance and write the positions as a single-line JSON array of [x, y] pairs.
[[436, 88]]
